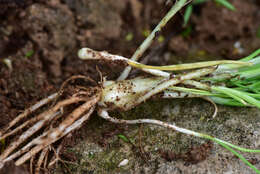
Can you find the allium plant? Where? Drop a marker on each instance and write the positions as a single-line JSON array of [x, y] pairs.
[[224, 82]]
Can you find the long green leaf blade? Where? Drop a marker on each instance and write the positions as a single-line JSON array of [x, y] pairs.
[[226, 4]]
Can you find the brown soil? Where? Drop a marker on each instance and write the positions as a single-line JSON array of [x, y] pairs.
[[41, 38], [193, 156]]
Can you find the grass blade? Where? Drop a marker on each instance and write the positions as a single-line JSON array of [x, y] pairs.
[[238, 95], [251, 56], [226, 4], [229, 147], [187, 15]]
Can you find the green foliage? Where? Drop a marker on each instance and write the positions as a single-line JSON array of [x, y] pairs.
[[187, 15], [124, 138], [146, 32], [226, 4], [29, 54], [231, 148], [231, 84], [189, 8], [186, 32]]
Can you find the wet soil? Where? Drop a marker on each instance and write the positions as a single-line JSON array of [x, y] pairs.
[[41, 40]]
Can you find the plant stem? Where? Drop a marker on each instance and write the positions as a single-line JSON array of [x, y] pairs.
[[147, 42], [187, 66]]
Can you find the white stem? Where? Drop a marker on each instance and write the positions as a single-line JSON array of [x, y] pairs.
[[197, 84], [172, 94], [127, 94], [104, 114], [175, 81], [124, 94], [156, 72], [148, 41], [89, 54]]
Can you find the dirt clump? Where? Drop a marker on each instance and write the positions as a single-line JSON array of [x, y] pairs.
[[17, 88], [52, 31], [219, 28], [97, 21]]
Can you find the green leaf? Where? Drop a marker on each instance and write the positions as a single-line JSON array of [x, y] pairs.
[[187, 15], [251, 56], [29, 54], [241, 157], [186, 32], [123, 138], [229, 93], [146, 32], [226, 101], [230, 147], [195, 2], [226, 4], [238, 95]]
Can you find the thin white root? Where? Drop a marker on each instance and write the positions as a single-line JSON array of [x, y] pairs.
[[28, 111], [214, 104], [44, 118], [26, 123], [40, 160], [104, 114], [56, 157], [31, 165], [24, 149], [46, 159], [36, 149], [24, 137], [172, 94], [57, 133], [71, 118]]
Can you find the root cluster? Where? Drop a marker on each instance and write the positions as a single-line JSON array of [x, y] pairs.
[[32, 133]]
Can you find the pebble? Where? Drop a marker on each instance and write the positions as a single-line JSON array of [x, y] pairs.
[[123, 163]]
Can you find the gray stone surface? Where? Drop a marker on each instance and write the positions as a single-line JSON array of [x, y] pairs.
[[240, 126]]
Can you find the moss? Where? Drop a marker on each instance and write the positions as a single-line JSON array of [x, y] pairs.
[[228, 125]]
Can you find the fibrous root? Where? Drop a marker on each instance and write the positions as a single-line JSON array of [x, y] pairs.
[[30, 142]]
